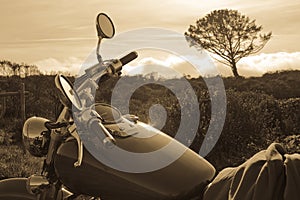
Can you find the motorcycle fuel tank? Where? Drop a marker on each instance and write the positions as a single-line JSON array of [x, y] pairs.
[[184, 178]]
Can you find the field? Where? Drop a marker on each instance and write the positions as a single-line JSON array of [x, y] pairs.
[[14, 163], [260, 110]]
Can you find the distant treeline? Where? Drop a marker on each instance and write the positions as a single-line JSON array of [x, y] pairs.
[[8, 68], [260, 110]]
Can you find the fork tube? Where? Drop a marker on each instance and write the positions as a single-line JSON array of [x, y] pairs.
[[56, 136], [54, 143]]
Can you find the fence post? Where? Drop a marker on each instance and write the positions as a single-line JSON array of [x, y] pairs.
[[22, 99], [2, 104]]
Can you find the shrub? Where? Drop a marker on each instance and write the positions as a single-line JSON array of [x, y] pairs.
[[260, 110]]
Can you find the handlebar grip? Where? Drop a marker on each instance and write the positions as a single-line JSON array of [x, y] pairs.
[[129, 57]]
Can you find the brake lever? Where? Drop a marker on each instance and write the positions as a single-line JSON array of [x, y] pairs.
[[73, 132], [109, 141]]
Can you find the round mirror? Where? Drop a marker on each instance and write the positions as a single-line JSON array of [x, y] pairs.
[[34, 138], [105, 26], [66, 87]]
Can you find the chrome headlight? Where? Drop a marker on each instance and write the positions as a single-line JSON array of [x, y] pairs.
[[36, 136]]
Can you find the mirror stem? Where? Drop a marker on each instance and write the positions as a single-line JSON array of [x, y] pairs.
[[98, 51]]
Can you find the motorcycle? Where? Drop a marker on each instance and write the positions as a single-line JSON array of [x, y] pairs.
[[71, 171]]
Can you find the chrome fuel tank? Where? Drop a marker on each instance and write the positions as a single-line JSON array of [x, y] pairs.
[[184, 177]]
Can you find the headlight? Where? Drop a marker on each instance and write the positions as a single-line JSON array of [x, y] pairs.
[[36, 136]]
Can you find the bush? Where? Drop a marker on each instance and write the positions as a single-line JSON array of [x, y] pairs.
[[292, 143], [253, 121], [290, 111], [260, 110]]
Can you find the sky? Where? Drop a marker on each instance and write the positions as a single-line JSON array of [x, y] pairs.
[[61, 34]]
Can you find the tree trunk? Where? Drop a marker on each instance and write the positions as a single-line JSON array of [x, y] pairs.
[[234, 69]]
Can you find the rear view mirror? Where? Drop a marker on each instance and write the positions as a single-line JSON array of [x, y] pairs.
[[68, 95], [105, 26]]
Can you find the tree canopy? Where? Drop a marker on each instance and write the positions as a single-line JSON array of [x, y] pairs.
[[228, 34]]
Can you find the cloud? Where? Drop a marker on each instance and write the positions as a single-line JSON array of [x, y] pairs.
[[172, 65], [71, 65], [169, 67], [161, 66], [271, 62], [168, 62], [249, 66]]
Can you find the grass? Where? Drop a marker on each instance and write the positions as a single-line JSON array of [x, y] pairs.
[[14, 163]]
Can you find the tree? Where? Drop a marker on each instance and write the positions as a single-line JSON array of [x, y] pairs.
[[26, 68], [15, 67], [228, 34], [6, 67]]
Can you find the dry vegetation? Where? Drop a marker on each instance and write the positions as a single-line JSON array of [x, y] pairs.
[[260, 110]]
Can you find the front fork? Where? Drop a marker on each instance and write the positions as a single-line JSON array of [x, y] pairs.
[[47, 185]]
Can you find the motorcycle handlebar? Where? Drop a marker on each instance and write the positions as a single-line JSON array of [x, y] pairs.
[[116, 65], [55, 125], [129, 57], [96, 72]]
